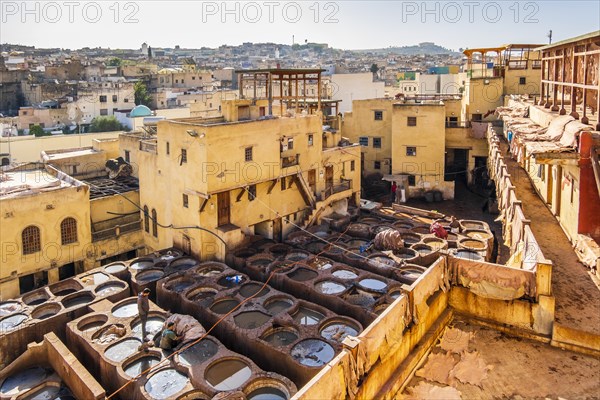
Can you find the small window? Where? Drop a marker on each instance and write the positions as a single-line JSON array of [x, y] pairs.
[[102, 99], [154, 223], [377, 143], [377, 165], [248, 154], [283, 184], [522, 80], [411, 180], [125, 100], [411, 151], [31, 240], [114, 98], [185, 200], [411, 121], [290, 142], [127, 156], [251, 192], [310, 140], [168, 148], [352, 165], [378, 115], [104, 111], [146, 219], [68, 231], [183, 156], [363, 141]]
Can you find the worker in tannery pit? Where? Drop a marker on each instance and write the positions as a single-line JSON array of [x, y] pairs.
[[455, 226], [438, 230], [143, 309], [169, 339]]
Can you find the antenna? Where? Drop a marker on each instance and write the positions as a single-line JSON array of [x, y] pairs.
[[549, 35]]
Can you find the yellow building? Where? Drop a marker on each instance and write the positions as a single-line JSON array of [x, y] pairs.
[[422, 143], [206, 182]]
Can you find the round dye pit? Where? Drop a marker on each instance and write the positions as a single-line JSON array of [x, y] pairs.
[[250, 289], [9, 307], [183, 263], [472, 244], [411, 238], [280, 266], [109, 334], [125, 310], [395, 294], [153, 326], [51, 392], [315, 247], [67, 287], [280, 337], [46, 310], [344, 274], [231, 281], [77, 300], [312, 352], [355, 243], [166, 383], [23, 381], [224, 306], [470, 255], [251, 319], [320, 263], [405, 253], [169, 254], [338, 331], [410, 273], [179, 285], [115, 268], [278, 250], [361, 298], [329, 287], [110, 288], [276, 306], [267, 393], [136, 367], [306, 316], [470, 224], [303, 274], [297, 255], [142, 263], [421, 230], [149, 275], [479, 234], [36, 297], [227, 374], [209, 272], [381, 261], [120, 351], [373, 284], [91, 324], [245, 252], [436, 244], [358, 230], [95, 279], [260, 260], [203, 296], [198, 353], [422, 249]]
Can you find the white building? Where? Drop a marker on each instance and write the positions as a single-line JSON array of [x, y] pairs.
[[348, 87]]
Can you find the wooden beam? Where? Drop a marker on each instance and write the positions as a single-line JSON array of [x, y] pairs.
[[203, 205], [240, 194], [273, 183]]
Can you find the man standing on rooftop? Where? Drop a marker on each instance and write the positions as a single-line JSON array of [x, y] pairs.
[[143, 308]]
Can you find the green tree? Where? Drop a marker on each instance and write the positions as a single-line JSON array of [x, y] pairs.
[[141, 94], [374, 68], [115, 62], [38, 131], [106, 124]]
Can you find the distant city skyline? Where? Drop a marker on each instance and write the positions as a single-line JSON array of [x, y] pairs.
[[349, 25]]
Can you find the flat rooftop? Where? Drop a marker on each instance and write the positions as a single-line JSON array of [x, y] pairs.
[[29, 182], [69, 153]]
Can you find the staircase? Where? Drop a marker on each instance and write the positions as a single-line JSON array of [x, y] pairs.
[[305, 190]]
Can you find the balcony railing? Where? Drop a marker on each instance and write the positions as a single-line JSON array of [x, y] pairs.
[[517, 64], [344, 185], [116, 231]]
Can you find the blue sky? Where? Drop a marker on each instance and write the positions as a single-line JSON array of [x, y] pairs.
[[342, 24]]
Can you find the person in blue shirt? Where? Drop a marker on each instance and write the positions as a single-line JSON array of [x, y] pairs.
[[169, 339]]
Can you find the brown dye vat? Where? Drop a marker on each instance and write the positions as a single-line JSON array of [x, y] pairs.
[[149, 275], [360, 298], [179, 284], [370, 220], [312, 352], [319, 263], [224, 306], [330, 287], [403, 225], [381, 263], [299, 238], [267, 389], [281, 267], [276, 304], [338, 329], [227, 374], [121, 350], [409, 273], [373, 284], [139, 365], [204, 296], [238, 257], [353, 257], [280, 337], [118, 270], [315, 247], [473, 224], [198, 353], [303, 274], [95, 279], [166, 383], [180, 264], [479, 234], [344, 273], [67, 287], [452, 240], [251, 319], [469, 254], [278, 250], [252, 288], [472, 244], [77, 299], [209, 269], [427, 255], [110, 288], [435, 243], [9, 307], [411, 238], [231, 280], [406, 254], [307, 316], [46, 310], [359, 230], [380, 228], [91, 324], [109, 334], [260, 260], [421, 230], [355, 243], [335, 251], [297, 255], [36, 297]]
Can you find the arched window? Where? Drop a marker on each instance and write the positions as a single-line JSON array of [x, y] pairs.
[[31, 240], [68, 231], [154, 224], [146, 219]]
